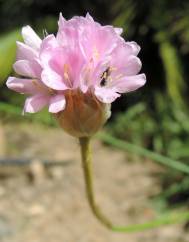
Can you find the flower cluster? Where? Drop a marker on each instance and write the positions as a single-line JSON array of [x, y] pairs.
[[78, 73]]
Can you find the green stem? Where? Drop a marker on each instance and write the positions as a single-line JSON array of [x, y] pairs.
[[87, 168]]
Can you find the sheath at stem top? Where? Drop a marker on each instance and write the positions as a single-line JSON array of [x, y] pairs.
[[76, 73]]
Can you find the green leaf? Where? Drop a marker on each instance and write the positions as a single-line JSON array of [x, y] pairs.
[[7, 53], [166, 161], [173, 71]]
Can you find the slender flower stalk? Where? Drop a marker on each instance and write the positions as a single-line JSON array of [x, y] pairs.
[[86, 156]]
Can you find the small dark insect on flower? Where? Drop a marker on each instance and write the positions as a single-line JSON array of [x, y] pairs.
[[105, 76]]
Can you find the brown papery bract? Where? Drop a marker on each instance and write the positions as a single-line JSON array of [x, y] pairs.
[[83, 115]]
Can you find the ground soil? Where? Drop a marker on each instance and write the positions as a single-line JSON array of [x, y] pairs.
[[49, 205]]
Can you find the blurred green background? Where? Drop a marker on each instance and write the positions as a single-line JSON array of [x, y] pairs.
[[156, 116]]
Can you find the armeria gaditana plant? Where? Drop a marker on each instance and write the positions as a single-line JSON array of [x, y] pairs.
[[77, 74]]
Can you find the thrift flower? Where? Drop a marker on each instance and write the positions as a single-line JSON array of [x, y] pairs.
[[78, 73]]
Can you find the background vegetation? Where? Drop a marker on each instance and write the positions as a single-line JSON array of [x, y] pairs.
[[157, 116]]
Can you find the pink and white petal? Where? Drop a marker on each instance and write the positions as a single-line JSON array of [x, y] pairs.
[[123, 51], [89, 17], [106, 40], [67, 36], [122, 54], [65, 59], [76, 63], [53, 80], [27, 68], [31, 38], [106, 95], [57, 103], [49, 42], [20, 85], [127, 67], [25, 52], [97, 41], [61, 21], [68, 30], [84, 87], [135, 47], [86, 77], [130, 83], [47, 46], [35, 103], [55, 59], [133, 66], [118, 31]]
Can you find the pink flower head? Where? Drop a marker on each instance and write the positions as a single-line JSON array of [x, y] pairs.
[[78, 73], [90, 57]]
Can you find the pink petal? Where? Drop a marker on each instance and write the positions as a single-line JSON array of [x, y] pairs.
[[130, 83], [106, 40], [61, 21], [126, 67], [31, 38], [118, 31], [27, 68], [75, 61], [47, 46], [106, 95], [57, 103], [62, 58], [25, 52], [132, 66], [89, 17], [35, 103], [53, 80], [69, 30], [87, 76], [67, 36], [25, 86], [96, 41], [135, 47]]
